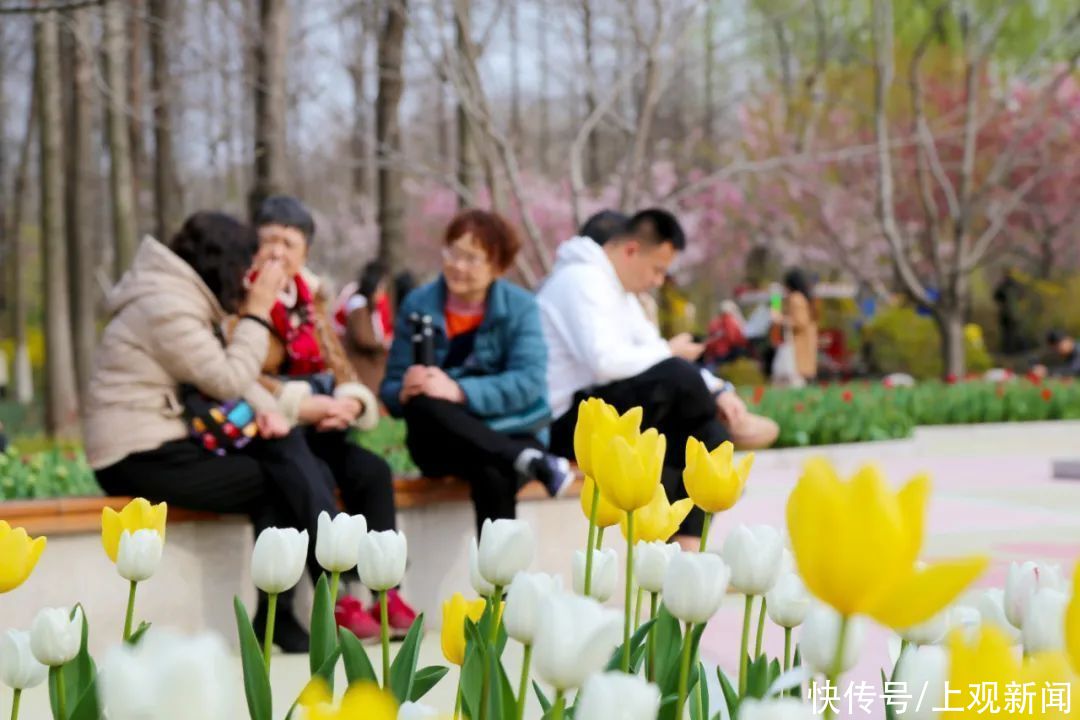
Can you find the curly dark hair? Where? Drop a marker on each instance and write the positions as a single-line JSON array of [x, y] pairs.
[[219, 248]]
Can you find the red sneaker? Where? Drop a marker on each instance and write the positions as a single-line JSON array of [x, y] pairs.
[[349, 613], [399, 614]]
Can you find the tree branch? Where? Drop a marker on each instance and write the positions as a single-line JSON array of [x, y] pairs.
[[55, 7]]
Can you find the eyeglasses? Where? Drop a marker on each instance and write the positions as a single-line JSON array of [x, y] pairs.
[[453, 256]]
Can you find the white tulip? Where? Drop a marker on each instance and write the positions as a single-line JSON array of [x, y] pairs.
[[1023, 581], [923, 670], [56, 635], [416, 711], [1044, 624], [930, 632], [695, 585], [968, 621], [338, 543], [277, 563], [755, 555], [524, 600], [19, 669], [617, 695], [382, 559], [780, 709], [482, 587], [788, 601], [574, 639], [169, 677], [604, 574], [506, 548], [819, 637], [651, 562], [990, 604], [139, 555]]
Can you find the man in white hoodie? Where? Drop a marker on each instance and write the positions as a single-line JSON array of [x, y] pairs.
[[601, 344]]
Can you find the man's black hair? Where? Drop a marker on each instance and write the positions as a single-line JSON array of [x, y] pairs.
[[605, 225], [656, 227], [1054, 337], [286, 211]]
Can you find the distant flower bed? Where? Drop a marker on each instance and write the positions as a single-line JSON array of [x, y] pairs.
[[45, 474], [863, 412]]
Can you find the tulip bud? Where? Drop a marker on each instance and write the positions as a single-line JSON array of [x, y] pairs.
[[19, 669], [990, 604], [617, 695], [651, 563], [604, 574], [506, 548], [482, 587], [56, 635], [694, 586], [415, 711], [782, 709], [922, 670], [338, 543], [453, 636], [524, 601], [574, 639], [139, 554], [278, 560], [754, 555], [819, 637], [788, 602], [19, 557], [382, 559], [1044, 624], [930, 632], [169, 677], [1021, 584]]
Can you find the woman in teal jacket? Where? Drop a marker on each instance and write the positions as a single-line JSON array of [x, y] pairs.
[[477, 407]]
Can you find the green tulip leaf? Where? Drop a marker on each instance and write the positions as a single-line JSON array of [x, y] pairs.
[[668, 641], [323, 643], [403, 668], [545, 704], [87, 706], [425, 679], [138, 634], [637, 649], [357, 663], [757, 678], [472, 670], [256, 681], [501, 692], [731, 695]]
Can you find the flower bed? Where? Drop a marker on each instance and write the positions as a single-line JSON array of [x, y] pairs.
[[49, 473]]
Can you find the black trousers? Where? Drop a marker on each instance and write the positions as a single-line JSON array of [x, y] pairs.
[[674, 400], [444, 438], [364, 479]]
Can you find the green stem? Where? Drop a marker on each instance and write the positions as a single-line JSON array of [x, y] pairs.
[[650, 660], [903, 647], [496, 616], [457, 698], [745, 647], [384, 633], [629, 590], [557, 709], [787, 649], [760, 629], [271, 618], [684, 670], [600, 538], [493, 635], [705, 532], [15, 699], [637, 607], [335, 579], [61, 693], [523, 687], [130, 615], [838, 661], [592, 538]]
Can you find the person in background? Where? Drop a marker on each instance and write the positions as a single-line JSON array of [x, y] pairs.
[[404, 283], [163, 332], [676, 313], [479, 410], [1066, 361], [726, 341], [798, 319], [363, 320], [1007, 297], [307, 365], [602, 345]]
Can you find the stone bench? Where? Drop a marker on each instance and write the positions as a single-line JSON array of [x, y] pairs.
[[207, 557]]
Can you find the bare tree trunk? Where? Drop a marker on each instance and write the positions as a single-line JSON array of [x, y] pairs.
[[166, 186], [81, 193], [592, 147], [358, 140], [270, 102], [23, 373], [710, 81], [392, 249], [120, 169], [516, 129], [466, 148], [545, 100], [62, 410], [136, 108], [950, 322]]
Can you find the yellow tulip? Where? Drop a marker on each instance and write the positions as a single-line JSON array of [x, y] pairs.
[[658, 520], [606, 513], [1072, 623], [629, 473], [856, 544], [598, 421], [362, 700], [454, 612], [18, 556], [713, 481], [138, 514]]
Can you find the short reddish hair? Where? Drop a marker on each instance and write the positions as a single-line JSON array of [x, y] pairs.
[[492, 231]]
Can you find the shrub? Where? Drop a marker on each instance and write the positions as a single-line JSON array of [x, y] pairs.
[[905, 342]]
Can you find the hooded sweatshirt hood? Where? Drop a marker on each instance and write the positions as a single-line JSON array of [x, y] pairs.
[[581, 250], [156, 270]]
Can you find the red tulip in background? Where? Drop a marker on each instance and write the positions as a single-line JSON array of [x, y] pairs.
[[1047, 395], [847, 396]]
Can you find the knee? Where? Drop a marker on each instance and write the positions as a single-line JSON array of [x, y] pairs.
[[682, 376]]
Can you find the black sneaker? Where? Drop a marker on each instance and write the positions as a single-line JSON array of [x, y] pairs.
[[289, 634], [554, 472]]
